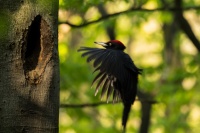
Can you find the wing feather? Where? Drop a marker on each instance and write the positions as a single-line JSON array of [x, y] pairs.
[[113, 63], [100, 83], [105, 87], [110, 89]]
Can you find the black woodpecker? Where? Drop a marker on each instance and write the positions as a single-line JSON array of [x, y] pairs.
[[117, 74]]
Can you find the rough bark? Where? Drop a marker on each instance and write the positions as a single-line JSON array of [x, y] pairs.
[[29, 74]]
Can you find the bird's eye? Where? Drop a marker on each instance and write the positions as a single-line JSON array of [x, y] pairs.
[[110, 44]]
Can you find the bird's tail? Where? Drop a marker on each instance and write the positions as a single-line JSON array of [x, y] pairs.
[[127, 108]]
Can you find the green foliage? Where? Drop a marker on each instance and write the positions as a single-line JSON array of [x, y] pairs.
[[172, 81], [79, 6]]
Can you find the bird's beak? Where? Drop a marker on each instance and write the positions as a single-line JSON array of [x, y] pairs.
[[101, 43]]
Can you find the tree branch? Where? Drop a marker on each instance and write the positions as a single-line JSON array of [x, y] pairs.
[[102, 103], [185, 26], [110, 29], [83, 105], [128, 11]]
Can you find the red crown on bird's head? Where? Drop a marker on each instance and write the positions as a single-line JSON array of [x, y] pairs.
[[116, 42], [113, 44]]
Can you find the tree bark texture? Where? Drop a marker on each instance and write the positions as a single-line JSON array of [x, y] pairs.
[[29, 70]]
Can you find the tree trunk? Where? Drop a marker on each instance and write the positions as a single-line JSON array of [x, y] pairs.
[[29, 70]]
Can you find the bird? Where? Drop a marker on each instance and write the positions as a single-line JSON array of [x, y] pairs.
[[117, 74]]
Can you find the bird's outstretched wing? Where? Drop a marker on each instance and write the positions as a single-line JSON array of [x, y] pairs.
[[117, 73]]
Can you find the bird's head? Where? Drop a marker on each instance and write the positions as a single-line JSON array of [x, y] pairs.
[[113, 44]]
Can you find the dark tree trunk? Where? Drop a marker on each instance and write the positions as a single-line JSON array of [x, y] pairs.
[[146, 103], [29, 72]]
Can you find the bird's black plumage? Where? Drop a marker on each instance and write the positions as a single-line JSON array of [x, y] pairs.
[[117, 74]]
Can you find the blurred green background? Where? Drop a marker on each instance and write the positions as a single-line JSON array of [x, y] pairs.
[[157, 41]]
